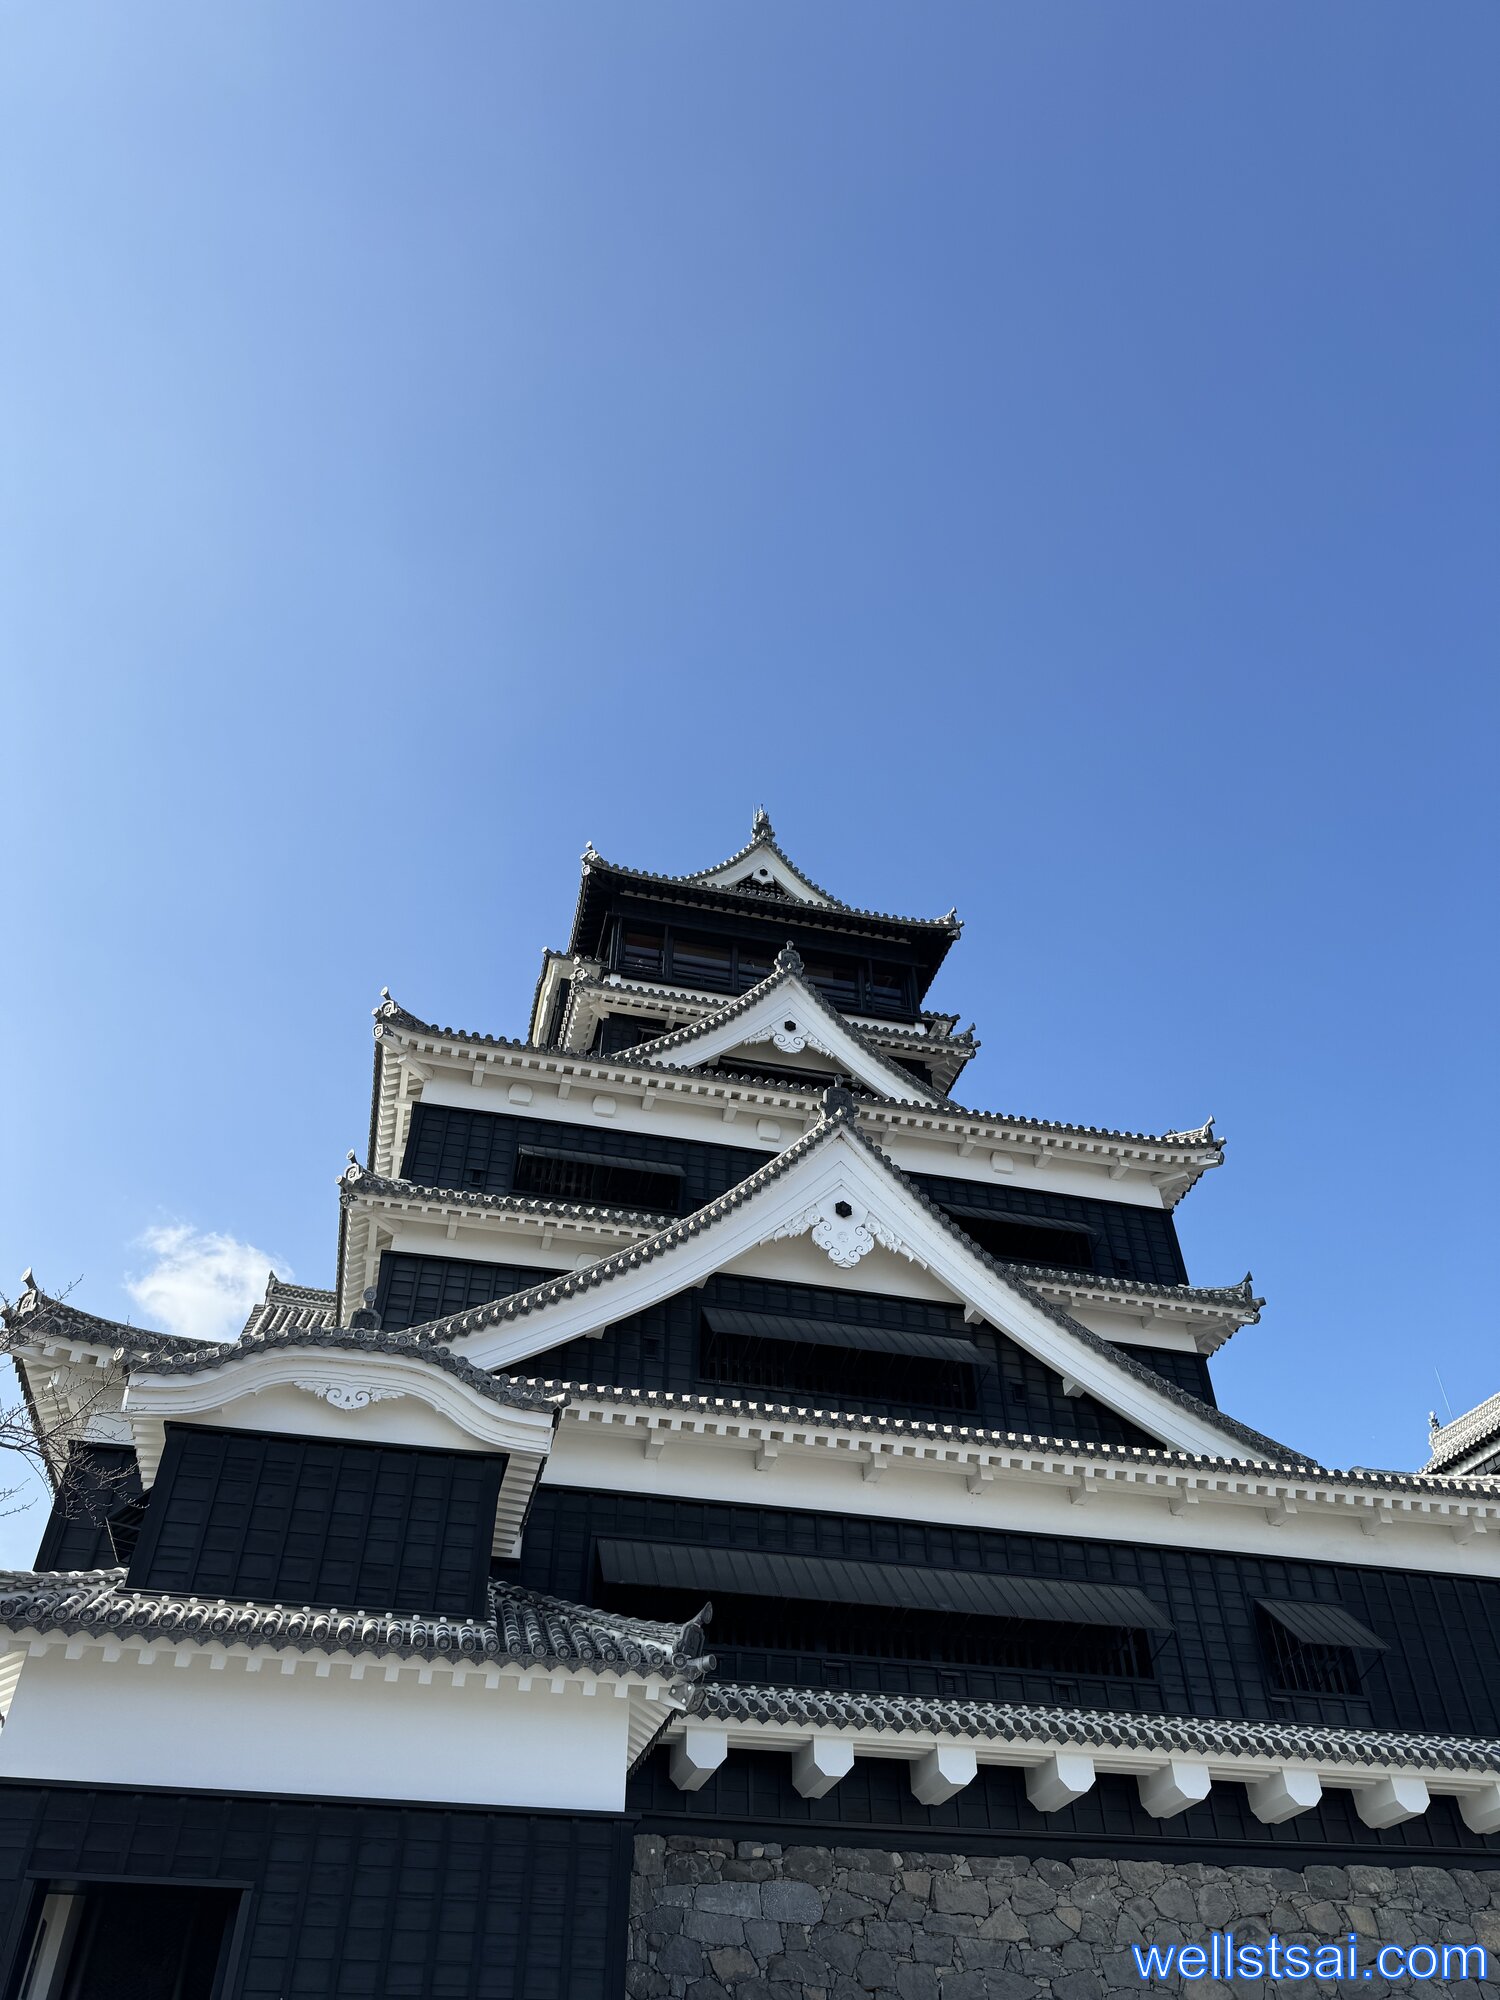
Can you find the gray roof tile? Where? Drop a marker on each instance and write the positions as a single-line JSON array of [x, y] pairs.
[[521, 1628], [1085, 1729]]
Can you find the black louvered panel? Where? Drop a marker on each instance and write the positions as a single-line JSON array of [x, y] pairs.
[[289, 1520], [822, 1579]]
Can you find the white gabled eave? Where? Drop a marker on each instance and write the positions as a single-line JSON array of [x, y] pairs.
[[789, 1013], [797, 1194]]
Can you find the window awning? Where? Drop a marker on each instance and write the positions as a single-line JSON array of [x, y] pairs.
[[1322, 1624], [583, 1159], [844, 1333], [832, 1579], [963, 1211]]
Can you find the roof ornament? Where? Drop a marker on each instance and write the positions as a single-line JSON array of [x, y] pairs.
[[1201, 1135], [28, 1280], [838, 1102], [1433, 1426], [760, 825], [788, 959], [590, 853]]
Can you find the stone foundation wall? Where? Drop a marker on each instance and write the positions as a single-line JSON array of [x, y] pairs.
[[754, 1920]]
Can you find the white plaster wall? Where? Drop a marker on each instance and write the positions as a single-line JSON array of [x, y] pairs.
[[832, 1482], [198, 1727], [292, 1411], [706, 1125]]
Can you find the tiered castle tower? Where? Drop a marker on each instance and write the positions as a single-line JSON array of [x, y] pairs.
[[372, 1652]]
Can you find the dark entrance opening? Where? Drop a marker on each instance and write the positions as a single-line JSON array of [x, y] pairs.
[[129, 1941]]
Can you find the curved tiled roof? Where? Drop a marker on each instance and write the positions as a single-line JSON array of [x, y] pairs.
[[1202, 1140], [922, 1431], [285, 1306], [521, 1629], [839, 1114], [788, 966], [1466, 1434], [35, 1315], [763, 837], [347, 1339], [1081, 1728], [356, 1179]]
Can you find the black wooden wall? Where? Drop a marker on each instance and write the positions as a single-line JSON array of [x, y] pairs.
[[1441, 1673], [453, 1148], [303, 1520], [424, 1903]]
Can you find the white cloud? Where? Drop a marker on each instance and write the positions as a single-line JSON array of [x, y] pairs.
[[201, 1283]]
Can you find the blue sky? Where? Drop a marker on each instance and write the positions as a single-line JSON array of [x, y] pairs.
[[1046, 453]]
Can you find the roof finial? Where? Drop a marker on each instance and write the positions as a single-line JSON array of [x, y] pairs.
[[838, 1102], [28, 1280], [760, 825], [788, 959], [590, 853]]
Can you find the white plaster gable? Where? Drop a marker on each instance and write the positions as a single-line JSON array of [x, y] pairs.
[[835, 1189], [786, 1016], [350, 1396], [763, 864]]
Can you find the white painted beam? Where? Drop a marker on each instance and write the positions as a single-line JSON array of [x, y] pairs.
[[697, 1757], [943, 1772], [1064, 1777], [1283, 1794], [1391, 1800], [820, 1764], [1174, 1786]]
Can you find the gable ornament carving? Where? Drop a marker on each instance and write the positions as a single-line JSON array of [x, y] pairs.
[[350, 1395], [844, 1230], [792, 1036]]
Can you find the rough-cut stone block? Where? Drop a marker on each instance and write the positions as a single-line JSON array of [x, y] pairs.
[[711, 1927], [791, 1902], [955, 1896], [734, 1899]]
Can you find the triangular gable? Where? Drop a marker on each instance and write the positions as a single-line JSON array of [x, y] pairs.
[[787, 1013], [836, 1187], [761, 868]]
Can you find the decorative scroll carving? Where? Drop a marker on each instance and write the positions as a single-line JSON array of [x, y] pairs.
[[350, 1395], [843, 1231]]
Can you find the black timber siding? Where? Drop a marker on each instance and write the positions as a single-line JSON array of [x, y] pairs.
[[459, 1148], [1127, 1241], [300, 1520], [752, 1795], [93, 1522], [659, 1349], [412, 1290], [477, 1149], [424, 1903], [1441, 1674]]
